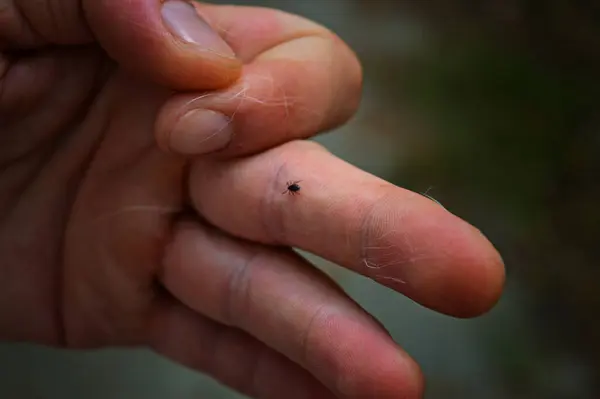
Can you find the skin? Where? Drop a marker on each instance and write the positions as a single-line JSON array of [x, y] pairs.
[[110, 236]]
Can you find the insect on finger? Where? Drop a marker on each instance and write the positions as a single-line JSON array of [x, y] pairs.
[[292, 188]]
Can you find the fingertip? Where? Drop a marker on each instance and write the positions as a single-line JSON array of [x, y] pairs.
[[485, 276], [449, 266], [366, 363], [192, 131], [474, 278], [476, 273]]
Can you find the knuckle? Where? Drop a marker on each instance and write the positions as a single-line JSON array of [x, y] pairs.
[[238, 291], [276, 219], [271, 210], [307, 342]]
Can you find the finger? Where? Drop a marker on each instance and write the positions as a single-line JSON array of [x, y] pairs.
[[284, 302], [299, 79], [398, 238], [165, 41], [229, 355]]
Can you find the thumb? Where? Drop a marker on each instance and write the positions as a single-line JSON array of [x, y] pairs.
[[167, 42]]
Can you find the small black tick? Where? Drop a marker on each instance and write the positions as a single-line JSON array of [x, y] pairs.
[[292, 187]]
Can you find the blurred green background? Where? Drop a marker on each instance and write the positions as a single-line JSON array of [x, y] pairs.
[[491, 107]]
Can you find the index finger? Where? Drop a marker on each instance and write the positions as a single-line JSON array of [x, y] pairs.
[[396, 237]]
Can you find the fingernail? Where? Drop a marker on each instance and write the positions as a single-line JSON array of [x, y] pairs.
[[201, 131], [185, 22]]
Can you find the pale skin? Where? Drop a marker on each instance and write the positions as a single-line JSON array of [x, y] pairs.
[[121, 226]]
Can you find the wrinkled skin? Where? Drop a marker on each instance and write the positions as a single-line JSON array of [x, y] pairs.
[[124, 223]]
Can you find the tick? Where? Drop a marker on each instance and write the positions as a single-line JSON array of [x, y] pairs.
[[292, 187]]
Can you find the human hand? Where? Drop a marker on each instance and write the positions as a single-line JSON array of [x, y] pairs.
[[125, 224]]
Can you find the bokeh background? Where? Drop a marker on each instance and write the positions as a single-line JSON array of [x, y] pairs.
[[491, 107]]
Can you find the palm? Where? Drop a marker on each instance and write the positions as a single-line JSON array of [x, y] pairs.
[[90, 242]]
